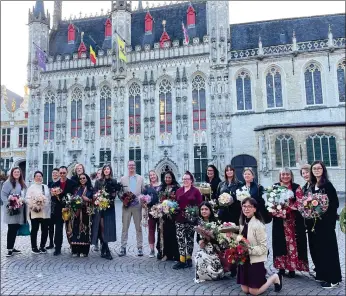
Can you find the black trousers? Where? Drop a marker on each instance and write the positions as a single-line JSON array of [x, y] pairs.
[[51, 231], [35, 225], [59, 227], [11, 235]]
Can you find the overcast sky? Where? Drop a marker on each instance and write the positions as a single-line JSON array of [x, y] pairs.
[[14, 29]]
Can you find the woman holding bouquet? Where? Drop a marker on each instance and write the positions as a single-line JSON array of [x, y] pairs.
[[79, 226], [38, 211], [104, 220], [208, 264], [13, 188], [256, 191], [326, 253], [251, 275], [289, 237], [212, 178], [188, 195], [153, 224], [170, 243]]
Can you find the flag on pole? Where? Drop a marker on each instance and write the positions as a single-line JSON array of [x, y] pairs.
[[121, 49], [92, 55], [41, 57], [26, 90], [186, 35]]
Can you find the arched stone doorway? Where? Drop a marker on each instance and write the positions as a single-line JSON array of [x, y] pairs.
[[164, 166], [21, 163], [242, 161]]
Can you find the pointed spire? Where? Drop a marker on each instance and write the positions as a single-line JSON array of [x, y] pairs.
[[65, 87], [39, 9], [330, 37], [184, 75], [93, 87], [145, 82], [177, 76], [87, 87], [38, 14], [152, 82], [140, 5]]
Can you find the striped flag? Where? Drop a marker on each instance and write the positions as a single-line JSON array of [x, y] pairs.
[[186, 35], [92, 55]]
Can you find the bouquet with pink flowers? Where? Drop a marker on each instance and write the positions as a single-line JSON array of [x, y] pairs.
[[144, 199], [15, 202], [312, 206]]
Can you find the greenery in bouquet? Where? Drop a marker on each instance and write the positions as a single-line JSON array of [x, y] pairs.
[[15, 202], [238, 251], [170, 208], [312, 206], [191, 213], [207, 230], [73, 202], [102, 201], [225, 199], [277, 200], [242, 193]]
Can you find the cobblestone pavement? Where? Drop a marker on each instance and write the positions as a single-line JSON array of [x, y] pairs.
[[29, 274]]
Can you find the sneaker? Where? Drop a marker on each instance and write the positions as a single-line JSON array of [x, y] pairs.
[[35, 251], [278, 287], [122, 252], [179, 265], [50, 247], [96, 248], [140, 252], [15, 251], [43, 251], [326, 285], [152, 254], [9, 253]]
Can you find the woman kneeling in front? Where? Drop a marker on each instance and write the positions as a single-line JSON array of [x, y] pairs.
[[251, 275]]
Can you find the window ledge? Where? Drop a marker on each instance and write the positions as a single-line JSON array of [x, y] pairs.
[[275, 110], [244, 113], [314, 107]]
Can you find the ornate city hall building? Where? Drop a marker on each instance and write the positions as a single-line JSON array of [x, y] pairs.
[[192, 90]]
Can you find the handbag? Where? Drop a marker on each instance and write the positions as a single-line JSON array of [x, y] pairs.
[[24, 230]]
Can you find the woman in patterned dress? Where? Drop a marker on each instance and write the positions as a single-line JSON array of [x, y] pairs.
[[289, 237]]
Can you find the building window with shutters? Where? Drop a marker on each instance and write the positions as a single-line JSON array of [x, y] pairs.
[[47, 167], [76, 113], [23, 137], [135, 155], [243, 88], [274, 88], [105, 157], [284, 151], [105, 111], [199, 103], [341, 81], [165, 106], [322, 147], [134, 109], [5, 138], [201, 162], [313, 85], [49, 116]]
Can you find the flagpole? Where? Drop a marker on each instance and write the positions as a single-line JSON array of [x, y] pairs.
[[40, 48]]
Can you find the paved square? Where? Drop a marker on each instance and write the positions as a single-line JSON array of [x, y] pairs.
[[30, 274]]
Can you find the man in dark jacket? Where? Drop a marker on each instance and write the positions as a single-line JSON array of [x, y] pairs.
[[67, 186]]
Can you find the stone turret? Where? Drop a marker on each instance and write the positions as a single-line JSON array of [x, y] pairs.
[[57, 14]]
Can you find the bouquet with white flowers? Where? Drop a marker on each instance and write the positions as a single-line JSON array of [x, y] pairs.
[[225, 200], [277, 200], [242, 193]]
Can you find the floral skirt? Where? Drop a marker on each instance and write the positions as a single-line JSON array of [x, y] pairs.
[[208, 265]]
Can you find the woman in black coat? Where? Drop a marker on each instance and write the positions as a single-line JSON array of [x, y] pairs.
[[326, 253], [212, 178]]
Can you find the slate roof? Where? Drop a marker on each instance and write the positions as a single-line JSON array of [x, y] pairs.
[[275, 32], [39, 8]]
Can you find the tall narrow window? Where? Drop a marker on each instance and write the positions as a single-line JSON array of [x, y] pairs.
[[322, 147], [134, 109], [135, 155], [48, 164], [200, 161], [105, 111], [71, 32], [23, 137], [284, 151], [199, 103], [108, 29], [313, 85], [190, 17], [49, 116], [76, 113], [165, 94], [5, 138], [148, 23], [243, 85], [105, 157], [341, 81], [274, 88]]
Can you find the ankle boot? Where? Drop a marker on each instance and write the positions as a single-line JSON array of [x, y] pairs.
[[103, 250]]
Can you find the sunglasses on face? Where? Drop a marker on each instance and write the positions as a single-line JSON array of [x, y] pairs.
[[62, 173]]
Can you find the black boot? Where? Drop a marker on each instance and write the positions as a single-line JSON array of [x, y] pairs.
[[108, 255], [103, 250]]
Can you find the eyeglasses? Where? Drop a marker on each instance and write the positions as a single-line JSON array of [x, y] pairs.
[[83, 178], [247, 207], [317, 169], [62, 173], [186, 179]]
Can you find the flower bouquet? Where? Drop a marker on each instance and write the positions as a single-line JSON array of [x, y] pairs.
[[37, 203], [15, 202], [128, 199], [238, 251], [226, 227], [74, 202], [242, 193], [343, 220], [215, 207], [191, 213], [205, 189], [167, 194], [312, 206], [225, 199], [144, 200], [170, 208], [156, 211], [55, 191], [208, 230], [277, 200], [102, 201]]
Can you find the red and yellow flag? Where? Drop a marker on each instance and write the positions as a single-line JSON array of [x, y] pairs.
[[92, 55]]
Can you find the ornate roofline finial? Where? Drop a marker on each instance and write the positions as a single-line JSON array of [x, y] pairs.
[[81, 36], [329, 28], [164, 25], [294, 34]]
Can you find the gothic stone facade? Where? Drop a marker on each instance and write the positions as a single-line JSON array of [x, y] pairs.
[[266, 94]]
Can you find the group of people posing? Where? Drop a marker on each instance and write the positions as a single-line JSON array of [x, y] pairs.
[[175, 236]]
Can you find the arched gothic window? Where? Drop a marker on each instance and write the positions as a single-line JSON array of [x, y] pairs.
[[199, 103], [49, 115], [243, 86], [76, 113], [134, 109], [165, 94], [284, 151], [322, 147], [274, 88], [313, 85], [341, 80], [105, 111]]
